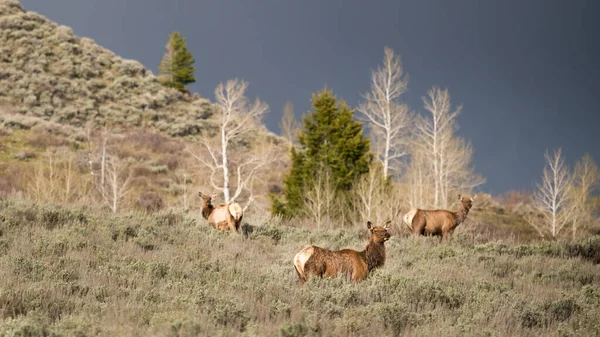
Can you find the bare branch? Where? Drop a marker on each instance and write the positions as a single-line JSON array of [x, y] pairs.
[[238, 117], [552, 198], [446, 156], [389, 119], [289, 125]]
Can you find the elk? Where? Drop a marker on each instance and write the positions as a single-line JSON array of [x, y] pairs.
[[313, 260], [222, 216], [439, 222]]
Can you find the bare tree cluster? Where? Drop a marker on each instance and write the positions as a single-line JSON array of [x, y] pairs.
[[442, 158], [561, 199], [377, 198], [552, 197], [56, 178], [586, 180], [60, 178], [112, 174], [234, 167], [389, 118], [440, 162], [321, 205], [289, 125]]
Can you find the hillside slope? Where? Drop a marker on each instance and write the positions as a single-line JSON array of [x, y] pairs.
[[47, 72], [76, 271], [57, 91]]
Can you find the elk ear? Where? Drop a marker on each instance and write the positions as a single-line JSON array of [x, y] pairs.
[[473, 198], [369, 225], [200, 194], [459, 197], [387, 225]]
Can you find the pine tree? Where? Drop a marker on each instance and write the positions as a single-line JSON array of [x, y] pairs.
[[331, 140], [176, 69]]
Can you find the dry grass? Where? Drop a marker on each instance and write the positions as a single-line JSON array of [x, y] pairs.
[[79, 271]]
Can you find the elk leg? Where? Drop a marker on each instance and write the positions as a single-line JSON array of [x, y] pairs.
[[301, 278], [445, 236], [231, 225]]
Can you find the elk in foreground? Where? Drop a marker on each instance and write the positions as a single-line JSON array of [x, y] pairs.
[[222, 216], [313, 260], [438, 222]]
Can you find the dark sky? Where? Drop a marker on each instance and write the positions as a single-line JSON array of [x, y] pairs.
[[526, 72]]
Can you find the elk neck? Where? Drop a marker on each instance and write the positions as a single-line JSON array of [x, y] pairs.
[[207, 208], [374, 255], [461, 214]]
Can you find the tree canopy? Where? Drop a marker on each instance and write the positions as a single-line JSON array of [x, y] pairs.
[[176, 69], [330, 141]]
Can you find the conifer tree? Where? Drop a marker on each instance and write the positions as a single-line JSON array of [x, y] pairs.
[[176, 69], [330, 140]]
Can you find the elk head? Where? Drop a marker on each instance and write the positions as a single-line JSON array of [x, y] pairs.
[[467, 203], [379, 234], [207, 198]]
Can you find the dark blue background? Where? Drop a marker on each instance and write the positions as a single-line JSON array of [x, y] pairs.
[[526, 71]]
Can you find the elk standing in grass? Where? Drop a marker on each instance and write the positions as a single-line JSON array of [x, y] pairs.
[[438, 222], [313, 260], [222, 216]]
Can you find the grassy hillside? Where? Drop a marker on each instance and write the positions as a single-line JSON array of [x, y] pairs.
[[57, 92], [47, 73], [77, 271], [153, 269]]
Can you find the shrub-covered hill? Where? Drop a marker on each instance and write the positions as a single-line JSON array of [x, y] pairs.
[[47, 72], [78, 271], [57, 91]]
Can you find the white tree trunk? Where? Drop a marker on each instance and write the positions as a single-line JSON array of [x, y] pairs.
[[447, 157], [238, 118], [553, 196], [388, 118], [224, 164]]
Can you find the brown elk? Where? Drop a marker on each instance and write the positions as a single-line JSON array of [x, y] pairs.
[[222, 216], [438, 222], [313, 260]]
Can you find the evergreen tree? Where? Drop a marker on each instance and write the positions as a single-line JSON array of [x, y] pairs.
[[176, 69], [330, 140]]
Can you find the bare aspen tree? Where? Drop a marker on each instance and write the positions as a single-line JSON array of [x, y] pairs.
[[289, 125], [389, 119], [237, 117], [586, 179], [250, 167], [447, 156], [456, 172], [552, 197], [55, 178], [418, 179], [434, 133], [164, 68], [319, 198], [370, 193], [104, 141], [101, 158], [118, 177], [114, 177], [376, 198]]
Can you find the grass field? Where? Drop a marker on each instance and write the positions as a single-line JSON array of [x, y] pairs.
[[78, 271]]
